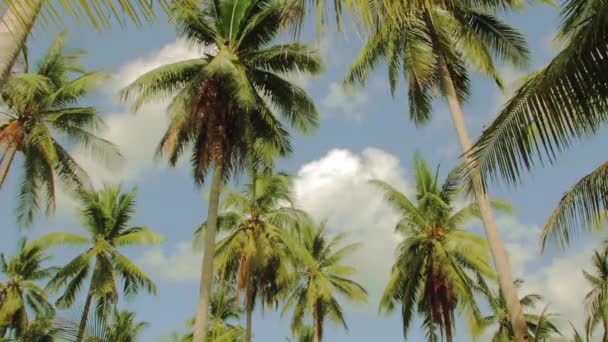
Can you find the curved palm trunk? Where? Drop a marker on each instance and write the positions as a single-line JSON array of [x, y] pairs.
[[202, 311], [6, 161], [499, 254], [317, 324], [85, 313], [15, 27]]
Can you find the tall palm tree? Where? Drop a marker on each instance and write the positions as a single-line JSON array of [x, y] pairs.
[[20, 290], [224, 100], [437, 258], [596, 300], [432, 45], [253, 253], [42, 110], [20, 16], [106, 216], [557, 105], [540, 326], [322, 278]]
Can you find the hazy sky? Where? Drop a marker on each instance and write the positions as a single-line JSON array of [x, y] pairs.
[[364, 134]]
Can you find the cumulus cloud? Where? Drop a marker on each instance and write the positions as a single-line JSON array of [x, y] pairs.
[[335, 187], [177, 263]]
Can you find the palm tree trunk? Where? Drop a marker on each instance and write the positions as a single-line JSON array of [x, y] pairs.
[[202, 311], [15, 27], [499, 254], [7, 160], [85, 314], [249, 313], [605, 323], [317, 324]]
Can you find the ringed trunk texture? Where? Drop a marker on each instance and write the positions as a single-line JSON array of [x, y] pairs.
[[497, 248], [202, 311], [7, 160], [15, 27], [85, 314]]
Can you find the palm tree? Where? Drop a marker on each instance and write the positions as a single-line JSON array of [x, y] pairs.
[[557, 105], [432, 45], [322, 278], [305, 335], [124, 327], [224, 309], [42, 111], [20, 290], [540, 326], [222, 101], [437, 257], [105, 216], [253, 253], [20, 16], [596, 300]]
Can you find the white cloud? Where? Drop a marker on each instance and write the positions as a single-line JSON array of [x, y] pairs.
[[336, 188], [347, 101], [136, 134], [179, 264]]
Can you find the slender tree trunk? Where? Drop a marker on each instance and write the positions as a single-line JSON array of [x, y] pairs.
[[15, 27], [249, 313], [202, 311], [605, 323], [499, 254], [317, 324], [7, 160], [85, 314], [3, 329]]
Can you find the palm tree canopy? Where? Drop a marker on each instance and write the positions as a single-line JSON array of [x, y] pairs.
[[540, 326], [256, 220], [20, 290], [553, 108], [426, 41], [99, 13], [223, 103], [322, 276], [42, 110], [596, 299], [106, 217], [437, 256]]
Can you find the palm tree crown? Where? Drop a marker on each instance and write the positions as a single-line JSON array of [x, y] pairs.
[[597, 298], [20, 290], [321, 278], [435, 261], [42, 111], [106, 216], [540, 325]]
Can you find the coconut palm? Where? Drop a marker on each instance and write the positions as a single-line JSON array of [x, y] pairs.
[[432, 45], [42, 111], [20, 16], [322, 278], [106, 216], [553, 108], [224, 310], [540, 326], [253, 252], [305, 335], [596, 299], [124, 327], [437, 258], [20, 290], [223, 102]]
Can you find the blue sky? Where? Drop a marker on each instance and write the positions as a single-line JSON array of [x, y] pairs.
[[363, 134]]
